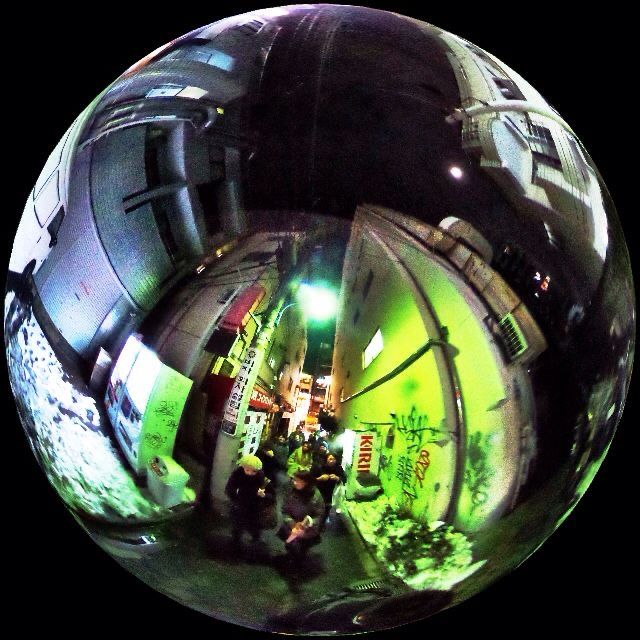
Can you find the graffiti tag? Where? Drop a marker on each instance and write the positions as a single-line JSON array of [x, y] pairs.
[[478, 474]]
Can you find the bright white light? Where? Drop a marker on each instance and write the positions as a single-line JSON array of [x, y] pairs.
[[142, 378], [324, 381], [456, 172], [347, 440], [127, 357], [318, 302], [374, 347]]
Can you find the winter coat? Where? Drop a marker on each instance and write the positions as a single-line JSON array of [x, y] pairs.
[[242, 490], [297, 505], [269, 464], [299, 460], [327, 487], [281, 454], [319, 458], [295, 440]]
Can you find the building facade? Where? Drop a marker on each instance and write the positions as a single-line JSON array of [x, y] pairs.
[[430, 355]]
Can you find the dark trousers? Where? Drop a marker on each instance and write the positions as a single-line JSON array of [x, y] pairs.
[[244, 520]]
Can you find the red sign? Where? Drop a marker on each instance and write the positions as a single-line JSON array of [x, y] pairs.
[[260, 399], [365, 452]]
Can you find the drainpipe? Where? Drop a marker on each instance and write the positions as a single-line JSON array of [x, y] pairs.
[[520, 106]]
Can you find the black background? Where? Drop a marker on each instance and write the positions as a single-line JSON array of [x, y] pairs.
[[58, 580]]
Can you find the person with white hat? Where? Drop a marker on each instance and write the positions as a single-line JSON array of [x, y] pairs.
[[251, 494]]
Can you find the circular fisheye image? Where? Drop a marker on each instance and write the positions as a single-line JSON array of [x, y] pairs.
[[319, 319]]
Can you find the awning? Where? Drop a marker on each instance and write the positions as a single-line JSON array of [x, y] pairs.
[[238, 314]]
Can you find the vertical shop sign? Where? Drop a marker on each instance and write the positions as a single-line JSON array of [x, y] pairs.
[[366, 455], [232, 408]]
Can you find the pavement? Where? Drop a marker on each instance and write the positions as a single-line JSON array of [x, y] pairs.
[[192, 560]]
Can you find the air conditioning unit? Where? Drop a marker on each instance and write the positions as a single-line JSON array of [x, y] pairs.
[[512, 337]]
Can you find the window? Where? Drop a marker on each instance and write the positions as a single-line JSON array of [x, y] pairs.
[[542, 158], [250, 28], [508, 88], [203, 50], [367, 284], [272, 362], [226, 369], [470, 131], [126, 407], [372, 349], [226, 296], [543, 148]]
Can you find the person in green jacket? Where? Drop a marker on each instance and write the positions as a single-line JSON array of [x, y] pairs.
[[300, 460]]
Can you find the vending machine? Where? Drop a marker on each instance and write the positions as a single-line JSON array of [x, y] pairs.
[[145, 399]]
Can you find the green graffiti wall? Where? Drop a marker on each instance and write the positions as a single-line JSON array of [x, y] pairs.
[[419, 447]]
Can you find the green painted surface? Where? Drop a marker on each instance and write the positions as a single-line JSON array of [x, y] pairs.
[[413, 469], [162, 415], [419, 456], [481, 387]]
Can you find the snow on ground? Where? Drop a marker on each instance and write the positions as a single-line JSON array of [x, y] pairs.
[[433, 556], [63, 425]]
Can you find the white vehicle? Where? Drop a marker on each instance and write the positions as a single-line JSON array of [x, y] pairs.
[[45, 208]]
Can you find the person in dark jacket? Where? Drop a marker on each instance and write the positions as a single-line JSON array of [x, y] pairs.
[[281, 452], [269, 464], [313, 437], [320, 454], [251, 494], [302, 511], [319, 440], [328, 476], [296, 439]]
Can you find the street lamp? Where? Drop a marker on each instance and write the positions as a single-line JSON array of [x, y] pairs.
[[319, 302]]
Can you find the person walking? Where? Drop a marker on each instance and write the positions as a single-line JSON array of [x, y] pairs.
[[328, 476], [302, 512], [251, 494], [281, 452], [269, 463], [296, 438], [281, 457], [300, 460]]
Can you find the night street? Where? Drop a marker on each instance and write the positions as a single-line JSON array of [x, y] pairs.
[[319, 320]]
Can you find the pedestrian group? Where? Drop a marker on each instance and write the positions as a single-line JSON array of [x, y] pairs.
[[305, 471]]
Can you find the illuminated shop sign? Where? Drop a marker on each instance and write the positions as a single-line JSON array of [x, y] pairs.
[[232, 408], [260, 399], [366, 454]]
